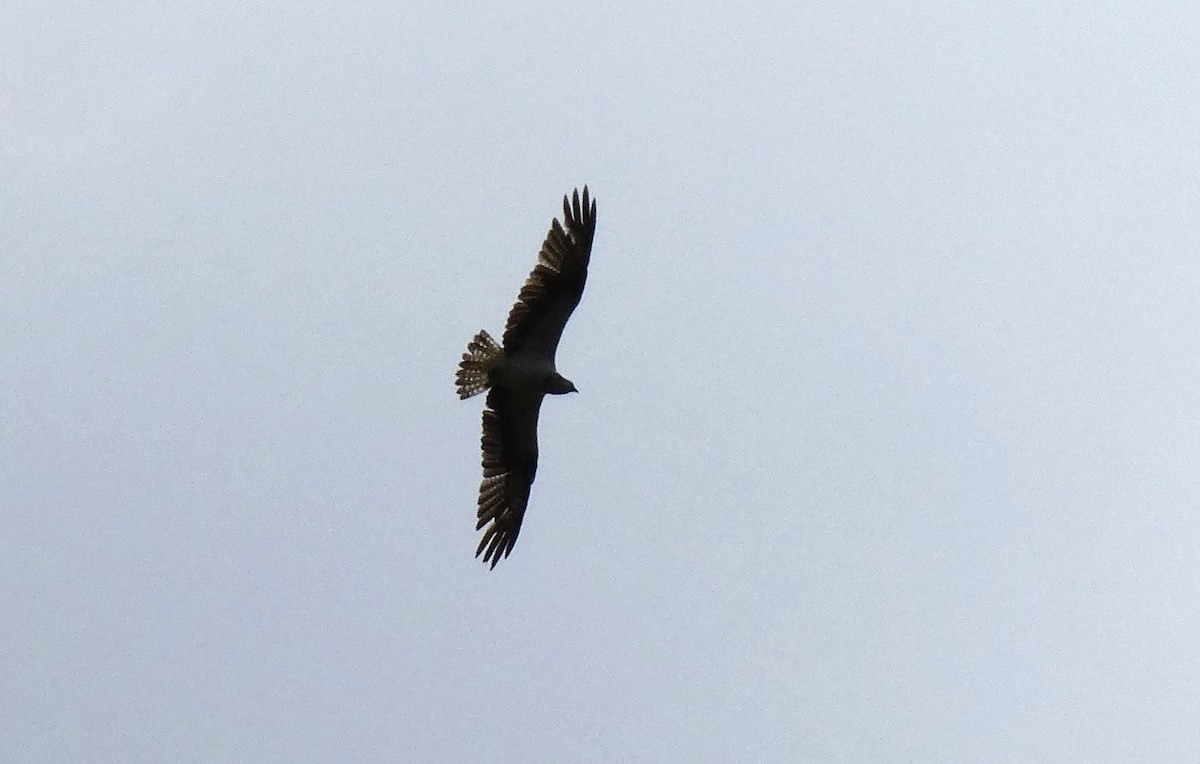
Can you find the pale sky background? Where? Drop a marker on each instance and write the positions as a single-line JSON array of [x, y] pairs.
[[888, 444]]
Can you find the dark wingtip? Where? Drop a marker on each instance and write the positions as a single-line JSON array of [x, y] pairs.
[[584, 213], [494, 546], [490, 546]]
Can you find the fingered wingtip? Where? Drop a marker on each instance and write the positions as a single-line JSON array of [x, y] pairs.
[[493, 546], [573, 209]]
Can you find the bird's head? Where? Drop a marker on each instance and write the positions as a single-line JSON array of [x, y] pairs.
[[557, 384]]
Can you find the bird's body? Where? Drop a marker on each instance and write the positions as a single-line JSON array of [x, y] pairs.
[[522, 372], [526, 372]]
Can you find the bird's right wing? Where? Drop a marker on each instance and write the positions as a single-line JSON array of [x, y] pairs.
[[510, 453]]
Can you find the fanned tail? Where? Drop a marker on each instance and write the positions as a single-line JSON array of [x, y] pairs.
[[483, 355]]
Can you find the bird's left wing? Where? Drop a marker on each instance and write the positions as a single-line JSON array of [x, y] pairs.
[[550, 294], [510, 453]]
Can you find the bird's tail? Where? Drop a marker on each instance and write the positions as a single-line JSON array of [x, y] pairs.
[[483, 355]]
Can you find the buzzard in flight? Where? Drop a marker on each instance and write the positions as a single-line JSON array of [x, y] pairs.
[[519, 374]]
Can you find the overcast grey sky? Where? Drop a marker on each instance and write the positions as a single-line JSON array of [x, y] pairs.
[[888, 442]]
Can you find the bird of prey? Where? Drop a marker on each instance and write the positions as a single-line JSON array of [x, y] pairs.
[[520, 373]]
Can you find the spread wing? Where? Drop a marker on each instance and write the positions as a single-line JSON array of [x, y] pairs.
[[552, 291], [510, 453]]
